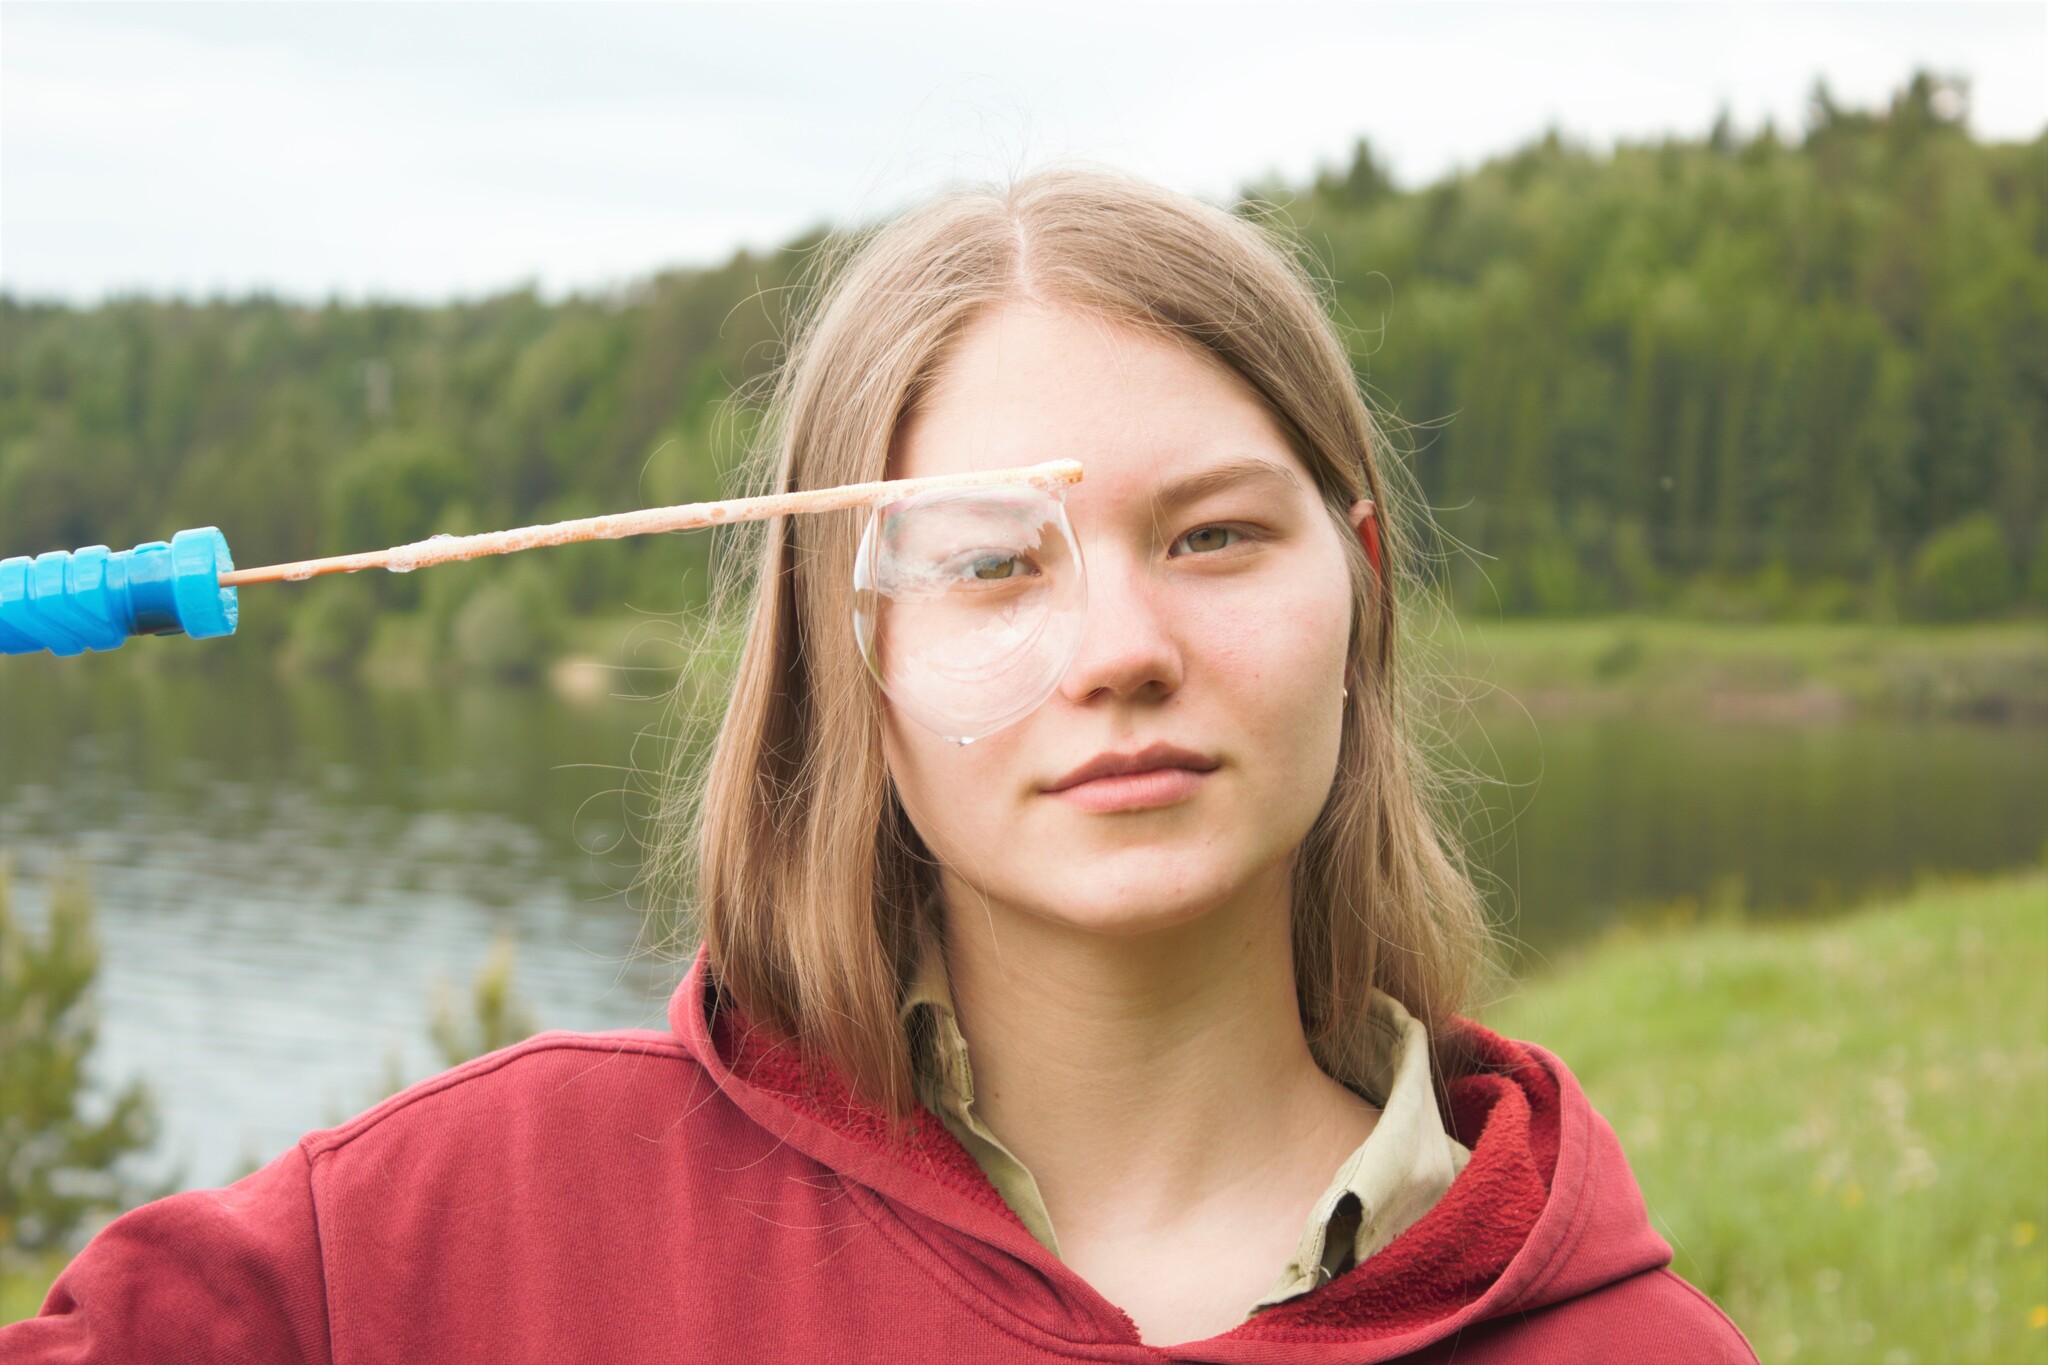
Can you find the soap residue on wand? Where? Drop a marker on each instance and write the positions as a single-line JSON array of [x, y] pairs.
[[406, 558]]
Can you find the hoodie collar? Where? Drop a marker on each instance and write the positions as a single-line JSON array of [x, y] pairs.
[[1544, 1210]]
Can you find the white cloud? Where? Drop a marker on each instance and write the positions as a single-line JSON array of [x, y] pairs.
[[423, 150]]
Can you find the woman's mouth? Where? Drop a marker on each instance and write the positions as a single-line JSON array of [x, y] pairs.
[[1147, 790], [1159, 774]]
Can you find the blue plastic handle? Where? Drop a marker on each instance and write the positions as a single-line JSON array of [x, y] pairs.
[[69, 601]]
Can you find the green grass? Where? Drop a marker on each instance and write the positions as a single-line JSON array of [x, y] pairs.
[[1797, 670], [24, 1282], [1842, 1128]]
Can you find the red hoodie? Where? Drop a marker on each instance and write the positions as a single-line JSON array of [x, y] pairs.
[[699, 1195]]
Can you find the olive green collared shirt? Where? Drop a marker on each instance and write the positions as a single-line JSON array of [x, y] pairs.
[[1397, 1174]]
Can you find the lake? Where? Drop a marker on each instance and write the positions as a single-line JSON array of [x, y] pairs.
[[287, 872]]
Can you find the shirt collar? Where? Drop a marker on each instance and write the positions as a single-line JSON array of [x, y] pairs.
[[1394, 1177]]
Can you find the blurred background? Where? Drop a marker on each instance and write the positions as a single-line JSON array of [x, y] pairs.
[[1715, 338]]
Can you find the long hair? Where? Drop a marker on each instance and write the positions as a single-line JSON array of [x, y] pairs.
[[809, 878]]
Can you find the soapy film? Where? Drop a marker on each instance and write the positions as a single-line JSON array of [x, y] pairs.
[[968, 605]]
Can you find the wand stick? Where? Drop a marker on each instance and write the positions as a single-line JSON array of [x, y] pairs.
[[421, 554], [70, 601]]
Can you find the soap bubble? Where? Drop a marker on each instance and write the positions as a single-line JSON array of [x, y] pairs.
[[968, 604]]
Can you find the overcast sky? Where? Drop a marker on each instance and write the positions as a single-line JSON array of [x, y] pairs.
[[428, 151]]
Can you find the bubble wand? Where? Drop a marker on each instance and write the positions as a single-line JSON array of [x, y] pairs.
[[69, 601]]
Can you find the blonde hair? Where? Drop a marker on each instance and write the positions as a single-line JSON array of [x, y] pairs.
[[809, 877]]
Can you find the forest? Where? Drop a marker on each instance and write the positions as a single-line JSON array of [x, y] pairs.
[[1735, 376]]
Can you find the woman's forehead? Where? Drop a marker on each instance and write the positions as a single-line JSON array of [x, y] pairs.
[[1151, 419]]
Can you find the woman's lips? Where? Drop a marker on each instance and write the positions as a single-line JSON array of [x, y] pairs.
[[1147, 790]]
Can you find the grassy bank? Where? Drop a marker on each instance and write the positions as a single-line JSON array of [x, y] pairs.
[[23, 1286], [1791, 671], [1842, 1128], [1783, 670]]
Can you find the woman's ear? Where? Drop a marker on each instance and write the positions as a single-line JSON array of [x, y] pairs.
[[1368, 527]]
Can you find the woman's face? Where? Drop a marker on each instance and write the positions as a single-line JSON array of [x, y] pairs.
[[1218, 614]]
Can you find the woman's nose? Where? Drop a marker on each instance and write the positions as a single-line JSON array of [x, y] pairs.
[[1127, 649]]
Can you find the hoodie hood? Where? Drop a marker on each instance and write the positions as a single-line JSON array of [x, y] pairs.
[[1546, 1209]]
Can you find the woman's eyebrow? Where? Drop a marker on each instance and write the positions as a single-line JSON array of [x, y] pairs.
[[1230, 473]]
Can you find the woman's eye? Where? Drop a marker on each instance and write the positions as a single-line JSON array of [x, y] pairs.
[[1206, 539], [995, 568]]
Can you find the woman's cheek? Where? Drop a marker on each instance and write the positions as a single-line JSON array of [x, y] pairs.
[[1295, 697], [952, 793]]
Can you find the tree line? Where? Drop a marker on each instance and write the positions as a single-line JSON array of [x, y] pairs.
[[1750, 375], [1729, 374]]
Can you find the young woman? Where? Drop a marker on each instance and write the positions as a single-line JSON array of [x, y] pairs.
[[1128, 1031]]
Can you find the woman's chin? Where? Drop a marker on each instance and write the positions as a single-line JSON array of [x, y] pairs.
[[1145, 906], [1138, 888]]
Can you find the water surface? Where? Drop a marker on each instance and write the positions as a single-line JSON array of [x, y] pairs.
[[285, 871]]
